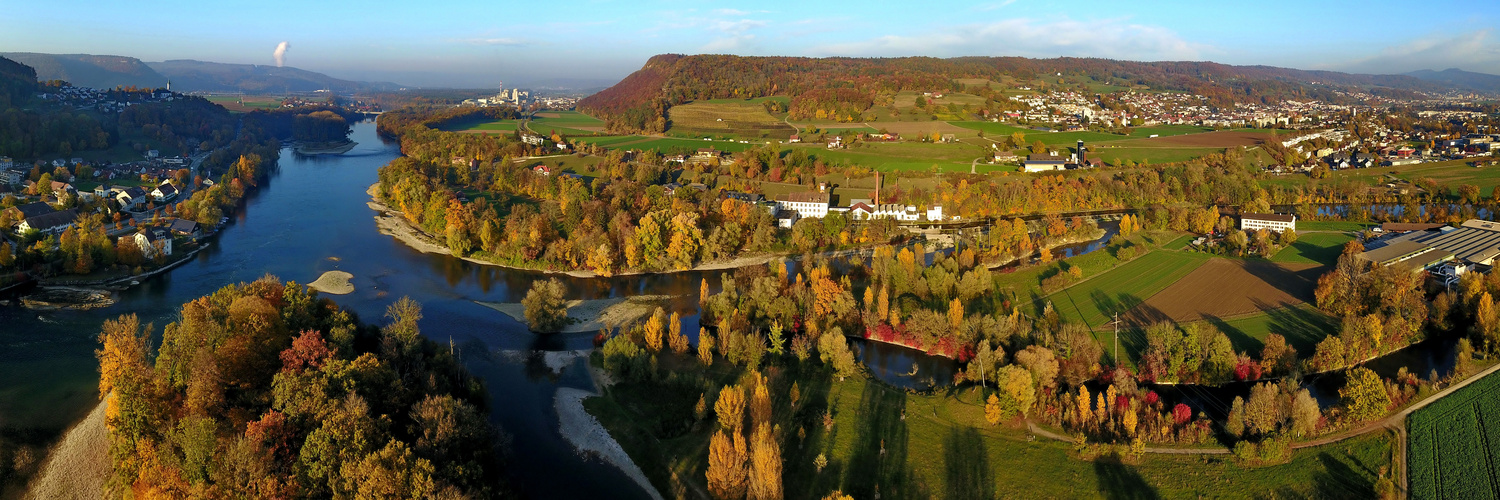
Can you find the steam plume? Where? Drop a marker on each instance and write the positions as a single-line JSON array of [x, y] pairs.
[[280, 53]]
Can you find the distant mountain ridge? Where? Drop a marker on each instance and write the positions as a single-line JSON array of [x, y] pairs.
[[88, 70], [640, 101], [1482, 82], [106, 72], [190, 75]]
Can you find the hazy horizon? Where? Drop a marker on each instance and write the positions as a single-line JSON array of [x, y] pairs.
[[470, 44]]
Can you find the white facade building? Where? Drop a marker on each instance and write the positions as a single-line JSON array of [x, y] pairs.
[[1271, 222]]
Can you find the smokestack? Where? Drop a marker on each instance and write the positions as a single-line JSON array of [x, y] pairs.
[[280, 53], [877, 188]]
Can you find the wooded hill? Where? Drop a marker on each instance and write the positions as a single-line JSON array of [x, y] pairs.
[[639, 102], [94, 71]]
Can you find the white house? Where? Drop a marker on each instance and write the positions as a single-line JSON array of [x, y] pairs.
[[809, 204], [154, 240], [164, 192], [1272, 222], [131, 198]]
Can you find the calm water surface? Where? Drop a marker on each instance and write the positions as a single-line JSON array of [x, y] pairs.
[[313, 218]]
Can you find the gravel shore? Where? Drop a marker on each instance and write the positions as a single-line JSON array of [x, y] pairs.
[[587, 436]]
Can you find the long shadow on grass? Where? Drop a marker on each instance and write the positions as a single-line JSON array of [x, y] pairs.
[[966, 464], [1302, 327], [1336, 480], [802, 479], [1120, 481], [1242, 341], [1298, 284], [878, 462]]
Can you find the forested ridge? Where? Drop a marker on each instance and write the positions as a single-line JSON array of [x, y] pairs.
[[639, 102], [265, 390]]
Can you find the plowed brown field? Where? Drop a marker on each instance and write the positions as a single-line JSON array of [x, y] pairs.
[[1223, 288]]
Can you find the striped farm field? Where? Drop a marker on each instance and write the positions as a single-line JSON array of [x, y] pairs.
[[1454, 444], [1093, 302]]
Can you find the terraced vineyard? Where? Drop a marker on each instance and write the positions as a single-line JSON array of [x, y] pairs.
[[1454, 444]]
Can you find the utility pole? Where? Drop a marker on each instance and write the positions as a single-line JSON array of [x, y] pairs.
[[1117, 339]]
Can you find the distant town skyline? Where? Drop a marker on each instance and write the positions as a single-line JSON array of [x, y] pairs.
[[480, 44]]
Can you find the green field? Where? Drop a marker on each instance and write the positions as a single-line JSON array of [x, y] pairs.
[[999, 131], [570, 123], [1302, 325], [1180, 243], [665, 145], [1115, 155], [906, 445], [1092, 302], [736, 119], [1454, 444], [1314, 248]]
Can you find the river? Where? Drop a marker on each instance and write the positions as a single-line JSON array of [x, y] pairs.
[[311, 218]]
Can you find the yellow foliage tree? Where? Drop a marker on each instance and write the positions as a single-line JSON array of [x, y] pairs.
[[123, 351], [726, 466], [653, 330], [956, 314], [730, 408], [760, 404], [678, 341], [765, 465], [705, 348], [992, 410], [1129, 422]]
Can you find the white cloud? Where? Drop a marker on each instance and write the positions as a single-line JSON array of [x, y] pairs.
[[731, 12], [1474, 51], [1113, 39], [738, 26]]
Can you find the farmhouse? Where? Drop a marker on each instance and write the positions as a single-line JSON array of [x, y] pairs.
[[29, 210], [808, 204], [1043, 163], [1272, 222]]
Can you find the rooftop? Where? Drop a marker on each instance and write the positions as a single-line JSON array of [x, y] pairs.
[[1269, 217]]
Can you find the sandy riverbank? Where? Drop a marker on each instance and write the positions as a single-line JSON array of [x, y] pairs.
[[334, 282], [79, 465], [592, 315], [589, 437], [392, 223]]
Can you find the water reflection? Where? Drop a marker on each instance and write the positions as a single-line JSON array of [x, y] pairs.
[[904, 367]]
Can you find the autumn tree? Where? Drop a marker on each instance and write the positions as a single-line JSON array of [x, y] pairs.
[[675, 338], [727, 458], [545, 309], [834, 351], [992, 411], [1364, 395], [729, 408], [654, 330], [765, 466]]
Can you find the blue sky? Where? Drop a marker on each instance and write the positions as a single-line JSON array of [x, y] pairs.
[[481, 43]]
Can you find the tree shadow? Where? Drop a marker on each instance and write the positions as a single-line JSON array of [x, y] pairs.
[[1302, 327], [800, 454], [1242, 341], [1120, 481], [1298, 284], [967, 466], [1336, 480], [878, 461]]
